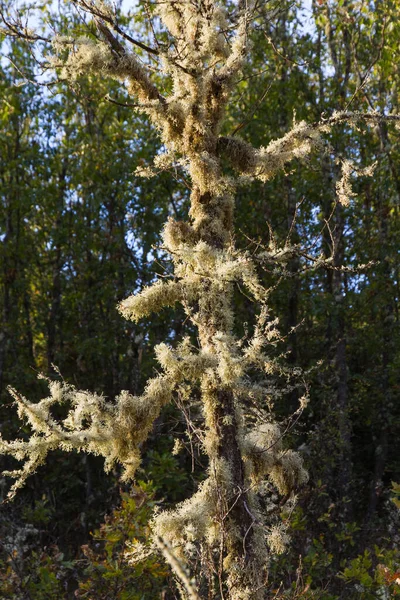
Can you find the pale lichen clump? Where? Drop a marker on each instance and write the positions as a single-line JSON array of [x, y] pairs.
[[183, 363], [288, 473], [177, 233], [265, 458], [190, 522], [278, 539], [150, 300]]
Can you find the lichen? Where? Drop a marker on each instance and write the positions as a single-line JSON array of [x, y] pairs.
[[112, 430], [232, 382], [151, 299]]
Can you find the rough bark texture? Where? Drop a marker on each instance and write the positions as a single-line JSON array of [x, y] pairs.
[[233, 510]]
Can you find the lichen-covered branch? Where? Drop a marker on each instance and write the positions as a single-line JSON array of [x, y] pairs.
[[112, 430], [150, 300]]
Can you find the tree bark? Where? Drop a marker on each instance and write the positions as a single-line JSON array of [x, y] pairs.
[[222, 420]]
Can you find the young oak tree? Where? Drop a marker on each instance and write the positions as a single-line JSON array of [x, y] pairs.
[[217, 542]]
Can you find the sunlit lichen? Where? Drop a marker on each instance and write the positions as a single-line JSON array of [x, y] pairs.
[[232, 382]]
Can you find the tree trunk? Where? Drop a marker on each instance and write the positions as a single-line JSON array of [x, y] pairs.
[[55, 305], [221, 417]]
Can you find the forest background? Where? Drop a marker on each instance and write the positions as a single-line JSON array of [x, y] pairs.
[[79, 232]]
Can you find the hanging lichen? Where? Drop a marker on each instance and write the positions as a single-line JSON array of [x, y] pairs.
[[222, 528]]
